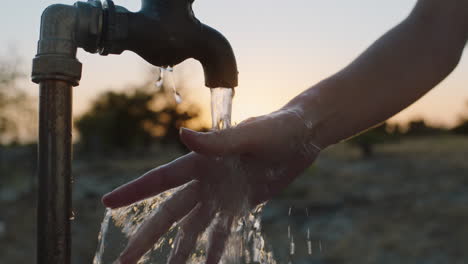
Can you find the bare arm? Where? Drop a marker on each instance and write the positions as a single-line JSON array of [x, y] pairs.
[[391, 74]]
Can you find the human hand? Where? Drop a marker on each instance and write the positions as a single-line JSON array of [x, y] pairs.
[[244, 165]]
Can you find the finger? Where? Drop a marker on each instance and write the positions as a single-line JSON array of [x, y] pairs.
[[218, 236], [153, 182], [219, 143], [170, 211], [191, 227]]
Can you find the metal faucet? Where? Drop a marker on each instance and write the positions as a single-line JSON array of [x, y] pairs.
[[163, 32]]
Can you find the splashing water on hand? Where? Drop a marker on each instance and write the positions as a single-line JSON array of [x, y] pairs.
[[102, 236], [245, 243]]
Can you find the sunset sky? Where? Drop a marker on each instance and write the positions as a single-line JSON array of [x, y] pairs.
[[282, 48]]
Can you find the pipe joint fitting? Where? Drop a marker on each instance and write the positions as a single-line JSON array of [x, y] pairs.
[[56, 54], [56, 67]]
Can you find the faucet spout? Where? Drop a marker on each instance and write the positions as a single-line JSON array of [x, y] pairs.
[[217, 58]]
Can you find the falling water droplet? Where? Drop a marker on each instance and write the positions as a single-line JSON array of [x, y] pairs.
[[309, 243], [170, 72], [291, 242], [177, 97], [292, 246], [160, 80], [320, 245]]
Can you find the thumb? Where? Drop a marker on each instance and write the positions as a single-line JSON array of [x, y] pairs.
[[217, 143]]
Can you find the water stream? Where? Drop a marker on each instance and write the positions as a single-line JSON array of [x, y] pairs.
[[221, 108]]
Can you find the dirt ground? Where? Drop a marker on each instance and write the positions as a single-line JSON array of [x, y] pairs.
[[408, 204]]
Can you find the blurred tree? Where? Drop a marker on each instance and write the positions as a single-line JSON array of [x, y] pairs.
[[18, 124], [381, 134], [133, 119], [419, 127], [462, 127], [12, 100]]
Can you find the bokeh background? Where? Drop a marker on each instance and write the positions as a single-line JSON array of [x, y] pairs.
[[395, 194]]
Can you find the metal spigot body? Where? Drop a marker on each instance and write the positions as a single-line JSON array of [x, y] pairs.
[[163, 32]]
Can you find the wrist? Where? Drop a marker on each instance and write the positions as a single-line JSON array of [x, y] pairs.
[[305, 130], [316, 109]]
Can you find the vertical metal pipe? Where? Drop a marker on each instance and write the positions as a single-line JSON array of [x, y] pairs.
[[54, 150]]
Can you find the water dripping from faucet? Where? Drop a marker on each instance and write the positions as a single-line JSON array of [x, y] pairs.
[[160, 81], [163, 74], [221, 107]]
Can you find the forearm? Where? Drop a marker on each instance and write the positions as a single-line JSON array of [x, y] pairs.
[[395, 71]]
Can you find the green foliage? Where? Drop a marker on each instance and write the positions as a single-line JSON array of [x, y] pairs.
[[133, 119]]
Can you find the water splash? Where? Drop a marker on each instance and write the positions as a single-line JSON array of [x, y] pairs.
[[292, 246], [101, 237], [128, 220], [245, 243]]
